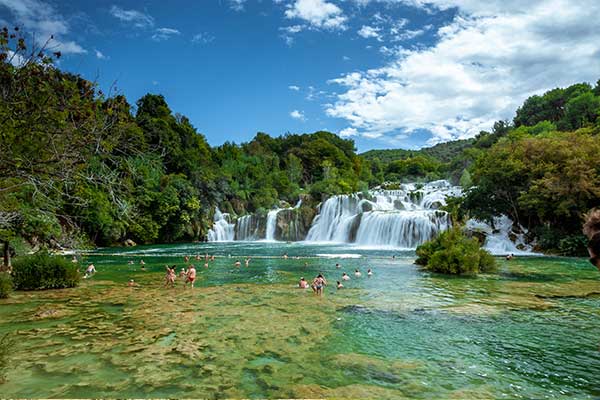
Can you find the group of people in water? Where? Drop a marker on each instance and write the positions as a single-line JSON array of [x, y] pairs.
[[319, 282]]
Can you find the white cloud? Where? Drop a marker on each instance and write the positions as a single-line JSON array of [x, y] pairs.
[[202, 37], [298, 115], [348, 132], [42, 19], [487, 61], [294, 88], [319, 14], [369, 32], [237, 5], [137, 18], [100, 55], [164, 34]]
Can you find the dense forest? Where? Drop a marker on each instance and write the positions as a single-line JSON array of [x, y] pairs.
[[82, 168]]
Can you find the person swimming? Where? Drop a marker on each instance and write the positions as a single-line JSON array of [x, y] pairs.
[[345, 277], [89, 271], [182, 273], [337, 265], [205, 265], [369, 272], [357, 273], [303, 284], [142, 262], [186, 259], [237, 263], [247, 261], [131, 283]]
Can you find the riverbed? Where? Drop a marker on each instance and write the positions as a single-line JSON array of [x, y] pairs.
[[532, 330]]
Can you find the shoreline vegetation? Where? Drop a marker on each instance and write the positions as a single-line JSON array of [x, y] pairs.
[[84, 169]]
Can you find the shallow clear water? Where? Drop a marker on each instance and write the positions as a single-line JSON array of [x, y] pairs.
[[530, 331]]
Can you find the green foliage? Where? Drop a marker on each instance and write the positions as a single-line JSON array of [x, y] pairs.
[[6, 285], [44, 271], [573, 245], [455, 254]]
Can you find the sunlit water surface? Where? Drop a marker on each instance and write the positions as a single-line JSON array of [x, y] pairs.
[[530, 331]]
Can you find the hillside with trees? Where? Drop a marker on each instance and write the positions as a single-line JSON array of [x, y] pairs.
[[83, 168]]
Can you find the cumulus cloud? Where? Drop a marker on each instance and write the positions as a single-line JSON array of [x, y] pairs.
[[41, 18], [137, 18], [164, 34], [298, 115], [486, 62], [294, 88], [348, 132], [369, 32], [318, 14]]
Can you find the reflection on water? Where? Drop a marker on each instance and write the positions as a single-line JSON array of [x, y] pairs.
[[530, 331]]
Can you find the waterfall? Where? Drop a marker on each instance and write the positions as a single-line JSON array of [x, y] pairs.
[[271, 224], [222, 229], [247, 228], [501, 240], [405, 217]]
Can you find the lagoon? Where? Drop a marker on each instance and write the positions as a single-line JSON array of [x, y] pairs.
[[530, 331]]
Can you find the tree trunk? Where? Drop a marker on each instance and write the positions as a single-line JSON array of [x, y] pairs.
[[6, 258]]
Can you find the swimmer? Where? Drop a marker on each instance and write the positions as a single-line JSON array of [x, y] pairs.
[[143, 267], [509, 256], [337, 265], [186, 259], [345, 277], [205, 265], [247, 261], [131, 283], [357, 273], [285, 256], [305, 264], [393, 257], [237, 263], [369, 272], [142, 262], [130, 262], [339, 285], [90, 270], [74, 259], [212, 258], [182, 273], [318, 284], [191, 275], [303, 284], [197, 257]]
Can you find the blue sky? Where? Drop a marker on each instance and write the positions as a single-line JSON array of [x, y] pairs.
[[386, 73]]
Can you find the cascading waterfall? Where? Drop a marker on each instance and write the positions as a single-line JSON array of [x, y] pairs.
[[247, 228], [403, 218], [271, 224], [498, 240], [223, 229]]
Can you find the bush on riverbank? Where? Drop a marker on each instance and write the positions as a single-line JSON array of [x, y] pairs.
[[454, 253], [6, 285], [43, 271]]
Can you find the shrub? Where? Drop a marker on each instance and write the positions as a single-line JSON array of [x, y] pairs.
[[43, 271], [6, 285], [454, 253]]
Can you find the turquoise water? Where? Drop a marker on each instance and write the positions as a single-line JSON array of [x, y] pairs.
[[530, 331]]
